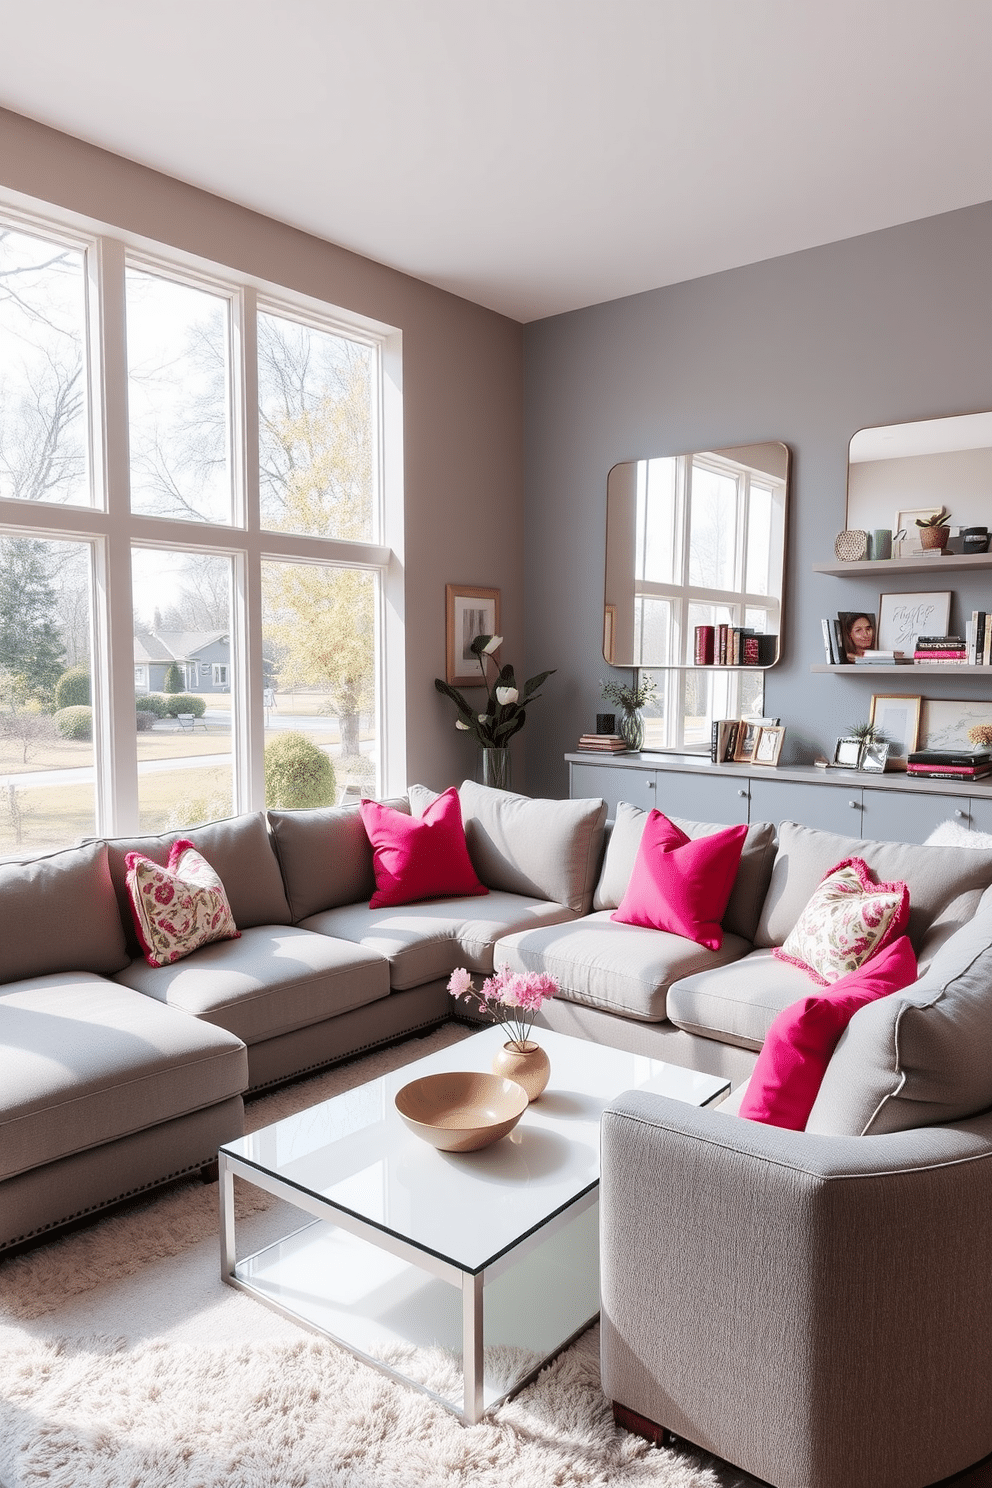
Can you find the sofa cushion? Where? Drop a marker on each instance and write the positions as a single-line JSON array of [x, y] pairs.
[[65, 914], [276, 978], [87, 1061], [425, 941], [421, 857], [239, 852], [848, 920], [795, 1055], [945, 885], [736, 1004], [922, 1056], [681, 884], [177, 908], [750, 885], [623, 969], [538, 848], [325, 856]]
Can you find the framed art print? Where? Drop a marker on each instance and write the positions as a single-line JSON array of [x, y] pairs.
[[470, 612], [897, 717], [903, 617], [768, 746]]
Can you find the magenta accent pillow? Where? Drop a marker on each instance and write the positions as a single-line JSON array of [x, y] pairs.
[[802, 1039], [682, 884], [177, 908], [419, 857]]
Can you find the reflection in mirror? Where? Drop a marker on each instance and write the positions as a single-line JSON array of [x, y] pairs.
[[898, 471], [694, 540]]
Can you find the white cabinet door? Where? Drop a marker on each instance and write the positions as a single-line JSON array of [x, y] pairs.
[[702, 797], [613, 784], [832, 808], [897, 816]]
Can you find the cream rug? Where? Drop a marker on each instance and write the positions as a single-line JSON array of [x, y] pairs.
[[125, 1362]]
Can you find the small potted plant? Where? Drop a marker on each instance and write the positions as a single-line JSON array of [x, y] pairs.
[[934, 530]]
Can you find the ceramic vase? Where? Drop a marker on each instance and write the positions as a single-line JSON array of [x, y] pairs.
[[527, 1063], [630, 727], [496, 768]]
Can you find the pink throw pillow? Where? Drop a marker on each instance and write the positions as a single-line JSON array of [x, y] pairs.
[[178, 908], [682, 884], [419, 858], [802, 1039], [848, 919]]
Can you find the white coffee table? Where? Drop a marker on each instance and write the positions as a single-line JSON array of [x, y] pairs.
[[492, 1256]]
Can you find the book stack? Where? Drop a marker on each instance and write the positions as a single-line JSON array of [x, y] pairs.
[[980, 638], [723, 739], [946, 650], [603, 743], [949, 764], [883, 658], [732, 645]]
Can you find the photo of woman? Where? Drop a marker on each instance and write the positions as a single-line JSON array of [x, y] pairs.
[[858, 630]]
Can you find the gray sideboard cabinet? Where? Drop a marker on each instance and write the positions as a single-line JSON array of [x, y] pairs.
[[887, 808]]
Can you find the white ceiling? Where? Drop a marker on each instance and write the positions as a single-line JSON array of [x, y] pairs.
[[533, 155]]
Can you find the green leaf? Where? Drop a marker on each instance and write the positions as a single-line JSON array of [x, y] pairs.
[[533, 683], [447, 691]]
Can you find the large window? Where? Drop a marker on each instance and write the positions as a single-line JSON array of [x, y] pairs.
[[197, 575]]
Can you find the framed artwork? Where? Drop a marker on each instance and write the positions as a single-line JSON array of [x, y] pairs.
[[875, 756], [847, 752], [469, 612], [906, 520], [768, 746], [903, 617], [858, 633], [897, 716], [747, 736], [946, 724]]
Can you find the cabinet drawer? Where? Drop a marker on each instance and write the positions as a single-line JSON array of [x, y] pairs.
[[832, 808], [635, 786], [705, 798], [895, 816]]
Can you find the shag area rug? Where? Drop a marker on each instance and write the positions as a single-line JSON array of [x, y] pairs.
[[125, 1362]]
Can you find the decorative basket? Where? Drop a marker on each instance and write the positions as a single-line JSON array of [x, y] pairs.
[[934, 537], [851, 545]]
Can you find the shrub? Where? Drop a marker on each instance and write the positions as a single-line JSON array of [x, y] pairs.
[[297, 773], [183, 702], [144, 718], [72, 690], [173, 681], [152, 702], [75, 723]]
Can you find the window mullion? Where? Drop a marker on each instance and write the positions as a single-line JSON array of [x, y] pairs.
[[247, 653]]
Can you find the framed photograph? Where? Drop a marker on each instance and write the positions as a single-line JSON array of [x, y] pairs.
[[469, 612], [903, 617], [875, 756], [897, 716], [858, 633], [847, 752], [946, 724], [768, 746], [747, 736]]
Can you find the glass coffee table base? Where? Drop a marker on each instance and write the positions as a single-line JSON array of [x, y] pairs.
[[418, 1325]]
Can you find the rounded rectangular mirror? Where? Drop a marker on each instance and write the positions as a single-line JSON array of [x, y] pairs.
[[696, 540]]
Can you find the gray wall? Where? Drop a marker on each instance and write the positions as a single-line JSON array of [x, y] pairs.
[[808, 348]]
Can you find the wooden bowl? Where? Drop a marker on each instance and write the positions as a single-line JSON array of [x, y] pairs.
[[461, 1111]]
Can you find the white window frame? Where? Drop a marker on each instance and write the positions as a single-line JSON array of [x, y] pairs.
[[111, 528], [219, 673]]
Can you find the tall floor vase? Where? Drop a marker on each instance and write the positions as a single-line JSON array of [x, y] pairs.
[[496, 768]]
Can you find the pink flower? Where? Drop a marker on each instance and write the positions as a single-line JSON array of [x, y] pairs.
[[535, 989], [460, 982]]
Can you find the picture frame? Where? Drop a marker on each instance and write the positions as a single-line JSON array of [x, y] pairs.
[[946, 722], [748, 730], [847, 753], [906, 520], [897, 716], [875, 756], [768, 746], [903, 617], [469, 611], [847, 619]]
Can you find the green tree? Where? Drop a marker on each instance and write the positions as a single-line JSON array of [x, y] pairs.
[[173, 679], [31, 650]]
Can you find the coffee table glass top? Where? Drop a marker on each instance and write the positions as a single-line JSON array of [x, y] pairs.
[[355, 1153]]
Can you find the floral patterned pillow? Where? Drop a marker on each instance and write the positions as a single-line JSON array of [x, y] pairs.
[[848, 920], [177, 908]]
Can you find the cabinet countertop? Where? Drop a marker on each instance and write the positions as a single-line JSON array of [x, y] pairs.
[[696, 764]]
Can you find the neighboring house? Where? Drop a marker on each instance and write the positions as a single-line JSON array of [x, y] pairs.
[[203, 658]]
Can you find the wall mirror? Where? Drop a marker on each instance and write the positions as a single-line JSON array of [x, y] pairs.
[[694, 539], [898, 471]]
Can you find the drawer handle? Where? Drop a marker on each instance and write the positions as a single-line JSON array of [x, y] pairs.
[[959, 812], [742, 793], [855, 805]]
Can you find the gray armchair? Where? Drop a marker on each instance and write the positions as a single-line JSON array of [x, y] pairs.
[[816, 1310]]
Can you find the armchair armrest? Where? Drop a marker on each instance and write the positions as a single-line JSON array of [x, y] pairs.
[[816, 1310]]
